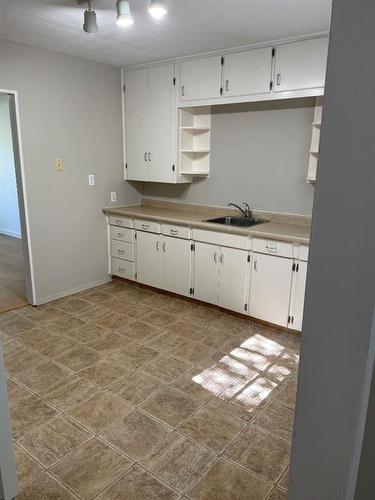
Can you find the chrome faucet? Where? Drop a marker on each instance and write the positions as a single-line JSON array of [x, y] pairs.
[[247, 212]]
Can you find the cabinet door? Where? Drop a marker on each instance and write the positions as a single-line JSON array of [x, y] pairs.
[[301, 65], [248, 72], [162, 123], [148, 258], [299, 296], [200, 79], [233, 271], [176, 258], [270, 288], [206, 272], [136, 124]]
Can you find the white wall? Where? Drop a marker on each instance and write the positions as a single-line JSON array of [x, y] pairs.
[[9, 212], [259, 155], [69, 109]]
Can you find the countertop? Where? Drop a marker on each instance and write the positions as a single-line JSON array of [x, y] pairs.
[[280, 227]]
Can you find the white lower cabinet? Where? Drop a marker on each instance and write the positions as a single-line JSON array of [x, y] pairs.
[[270, 288], [175, 265], [298, 296], [220, 276], [148, 260]]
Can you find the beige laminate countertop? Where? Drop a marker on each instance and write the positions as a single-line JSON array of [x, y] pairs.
[[283, 228]]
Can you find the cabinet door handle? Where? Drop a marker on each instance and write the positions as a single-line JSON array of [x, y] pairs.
[[164, 247], [222, 259], [215, 257], [149, 156], [278, 79], [157, 245], [183, 90], [145, 156], [226, 85], [255, 265]]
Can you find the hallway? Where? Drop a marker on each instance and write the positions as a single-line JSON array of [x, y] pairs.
[[12, 281]]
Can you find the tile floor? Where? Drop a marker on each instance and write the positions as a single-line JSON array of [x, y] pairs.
[[12, 280], [122, 392]]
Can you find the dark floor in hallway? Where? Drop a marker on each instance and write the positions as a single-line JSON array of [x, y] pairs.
[[12, 280]]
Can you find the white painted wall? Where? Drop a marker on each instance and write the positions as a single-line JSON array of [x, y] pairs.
[[259, 154], [69, 109], [9, 212]]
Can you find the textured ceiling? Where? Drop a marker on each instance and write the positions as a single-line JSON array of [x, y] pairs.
[[191, 26]]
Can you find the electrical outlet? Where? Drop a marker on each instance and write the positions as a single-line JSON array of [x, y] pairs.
[[91, 180], [113, 196], [59, 165]]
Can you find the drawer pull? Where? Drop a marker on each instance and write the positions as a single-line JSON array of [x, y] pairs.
[[174, 232], [120, 251], [121, 270], [120, 235], [278, 79], [118, 221], [272, 248], [145, 226]]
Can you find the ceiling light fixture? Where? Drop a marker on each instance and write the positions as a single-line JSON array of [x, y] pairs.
[[157, 9], [124, 15], [89, 20]]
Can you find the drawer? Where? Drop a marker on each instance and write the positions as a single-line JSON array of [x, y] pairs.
[[116, 220], [123, 268], [146, 225], [122, 250], [304, 252], [120, 234], [281, 248], [177, 231], [223, 239]]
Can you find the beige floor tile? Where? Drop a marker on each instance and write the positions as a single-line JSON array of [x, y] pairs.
[[226, 481], [45, 313], [158, 301], [51, 442], [136, 387], [100, 411], [166, 368], [94, 295], [104, 372], [178, 461], [22, 360], [66, 324], [54, 349], [91, 468], [165, 342], [261, 453], [276, 419], [212, 337], [64, 396], [113, 320], [110, 344], [92, 314], [190, 383], [43, 377], [73, 305], [16, 393], [233, 325], [45, 487], [287, 396], [135, 434], [190, 352], [141, 331], [11, 346], [29, 413], [284, 480], [16, 325], [27, 468], [87, 333], [36, 337], [135, 354], [137, 484], [277, 494], [185, 328], [211, 428], [159, 318], [78, 358], [170, 406]]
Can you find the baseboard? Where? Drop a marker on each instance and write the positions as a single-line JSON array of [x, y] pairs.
[[13, 234], [72, 291]]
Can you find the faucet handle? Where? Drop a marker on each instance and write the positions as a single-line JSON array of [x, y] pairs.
[[247, 209]]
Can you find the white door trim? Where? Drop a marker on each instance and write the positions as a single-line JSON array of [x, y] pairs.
[[23, 199]]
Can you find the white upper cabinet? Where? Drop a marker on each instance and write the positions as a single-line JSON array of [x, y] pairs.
[[270, 288], [248, 72], [136, 124], [200, 79], [176, 259], [233, 275], [301, 65], [150, 113]]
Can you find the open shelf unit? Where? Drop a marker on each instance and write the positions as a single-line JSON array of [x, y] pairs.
[[195, 141], [315, 140]]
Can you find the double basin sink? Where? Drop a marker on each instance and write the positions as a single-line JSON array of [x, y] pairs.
[[232, 220]]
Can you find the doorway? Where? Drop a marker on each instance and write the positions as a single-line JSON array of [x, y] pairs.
[[16, 283]]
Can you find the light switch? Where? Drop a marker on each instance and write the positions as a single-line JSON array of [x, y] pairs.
[[113, 196], [59, 165], [91, 180]]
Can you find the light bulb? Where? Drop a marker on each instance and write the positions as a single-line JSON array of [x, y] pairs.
[[157, 9], [124, 16]]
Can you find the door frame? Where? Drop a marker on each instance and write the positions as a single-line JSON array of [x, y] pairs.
[[22, 193]]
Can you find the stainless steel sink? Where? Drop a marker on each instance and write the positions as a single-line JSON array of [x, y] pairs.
[[236, 221]]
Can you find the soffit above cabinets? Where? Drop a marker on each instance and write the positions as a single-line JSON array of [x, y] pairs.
[[191, 27]]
